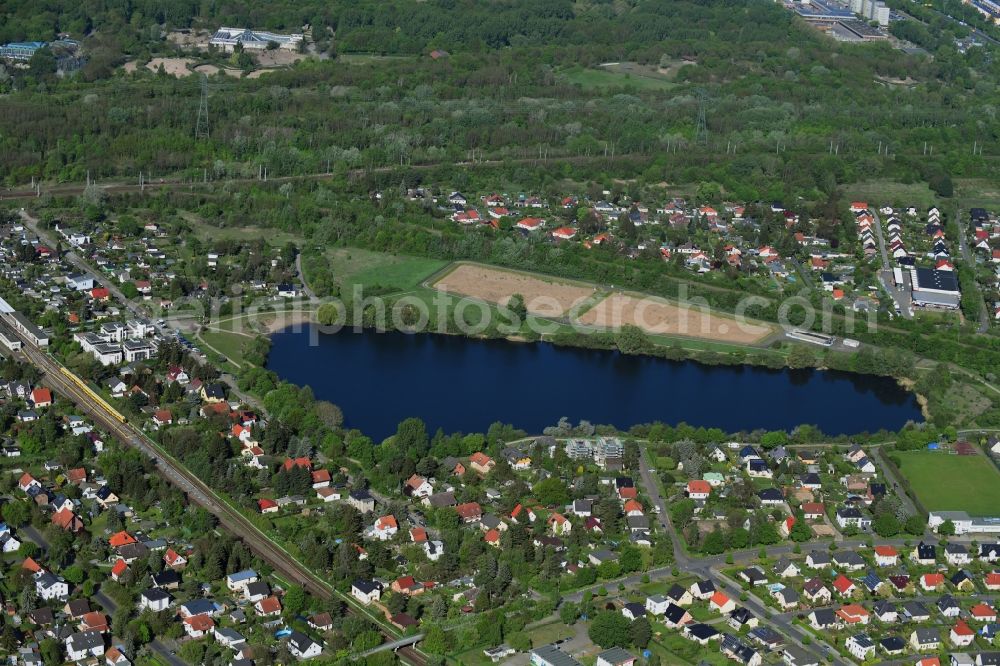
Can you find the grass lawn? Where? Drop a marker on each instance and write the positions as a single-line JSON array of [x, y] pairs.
[[977, 192], [599, 79], [543, 635], [229, 345], [675, 649], [548, 633], [945, 482], [351, 266], [886, 192]]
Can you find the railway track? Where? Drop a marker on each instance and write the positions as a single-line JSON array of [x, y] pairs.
[[199, 493]]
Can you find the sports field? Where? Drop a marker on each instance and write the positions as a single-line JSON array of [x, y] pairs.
[[657, 316], [947, 482], [547, 297], [563, 299]]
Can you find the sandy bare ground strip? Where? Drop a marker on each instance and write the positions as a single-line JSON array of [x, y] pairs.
[[661, 317], [542, 297]]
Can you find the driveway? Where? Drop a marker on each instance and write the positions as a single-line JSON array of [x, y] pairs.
[[35, 536]]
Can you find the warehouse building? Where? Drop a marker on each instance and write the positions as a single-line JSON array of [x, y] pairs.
[[935, 289]]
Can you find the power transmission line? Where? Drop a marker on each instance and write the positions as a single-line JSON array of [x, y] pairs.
[[701, 129], [201, 129]]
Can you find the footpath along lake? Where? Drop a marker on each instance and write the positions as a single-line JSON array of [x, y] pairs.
[[461, 384]]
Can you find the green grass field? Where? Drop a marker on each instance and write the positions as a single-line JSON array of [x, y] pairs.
[[945, 482], [879, 192], [599, 79], [352, 266], [543, 635]]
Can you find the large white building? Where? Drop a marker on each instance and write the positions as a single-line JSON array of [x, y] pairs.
[[964, 523], [258, 40], [936, 289]]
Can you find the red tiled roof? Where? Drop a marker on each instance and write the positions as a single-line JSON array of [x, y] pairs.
[[962, 629], [297, 462], [933, 579], [119, 539], [842, 583], [698, 486], [120, 567], [469, 510], [200, 622], [480, 458], [269, 605], [982, 610], [720, 599]]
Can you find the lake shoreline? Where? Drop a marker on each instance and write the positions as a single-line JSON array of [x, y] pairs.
[[307, 318], [783, 380]]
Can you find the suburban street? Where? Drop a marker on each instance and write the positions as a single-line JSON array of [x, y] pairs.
[[706, 568], [194, 488], [900, 295], [32, 224]]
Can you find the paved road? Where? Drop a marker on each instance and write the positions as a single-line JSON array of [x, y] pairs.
[[901, 296], [35, 536]]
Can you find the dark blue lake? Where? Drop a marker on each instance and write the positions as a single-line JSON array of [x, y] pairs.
[[460, 384]]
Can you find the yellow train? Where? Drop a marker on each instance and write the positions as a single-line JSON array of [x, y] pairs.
[[93, 395]]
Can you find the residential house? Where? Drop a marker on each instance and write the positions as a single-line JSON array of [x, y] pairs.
[[886, 556], [633, 611], [303, 647], [925, 639], [237, 582], [816, 592], [366, 591], [481, 463], [699, 489], [961, 634], [861, 646], [721, 603], [924, 553], [84, 644], [385, 528], [885, 611]]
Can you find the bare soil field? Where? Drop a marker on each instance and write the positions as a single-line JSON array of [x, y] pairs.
[[190, 38], [662, 317], [174, 66], [279, 58], [212, 70], [544, 297]]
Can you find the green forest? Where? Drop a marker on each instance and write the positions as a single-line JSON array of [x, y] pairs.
[[788, 111]]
